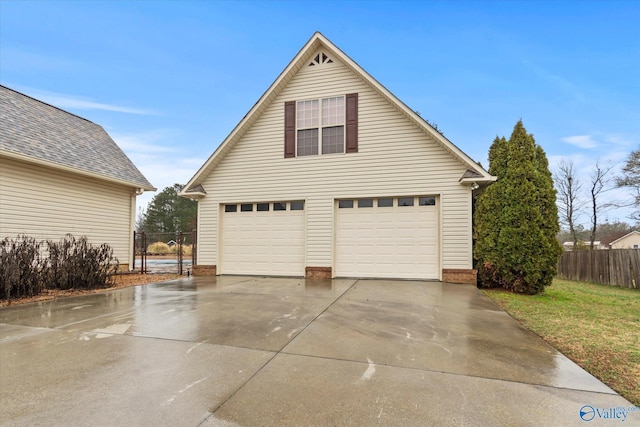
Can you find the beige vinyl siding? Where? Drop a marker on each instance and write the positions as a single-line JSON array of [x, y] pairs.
[[395, 158], [47, 204], [208, 233], [626, 242]]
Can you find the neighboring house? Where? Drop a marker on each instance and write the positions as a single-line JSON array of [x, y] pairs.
[[597, 244], [60, 173], [330, 175], [628, 241]]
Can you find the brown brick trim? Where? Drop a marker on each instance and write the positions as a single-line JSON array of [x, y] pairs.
[[204, 270], [459, 275], [317, 273]]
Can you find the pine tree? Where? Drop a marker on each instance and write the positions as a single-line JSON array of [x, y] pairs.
[[516, 219], [167, 212]]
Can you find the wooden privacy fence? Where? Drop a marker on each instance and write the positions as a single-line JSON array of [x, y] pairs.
[[615, 267]]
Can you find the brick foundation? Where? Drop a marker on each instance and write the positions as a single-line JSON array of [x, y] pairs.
[[204, 270], [455, 275], [317, 273]]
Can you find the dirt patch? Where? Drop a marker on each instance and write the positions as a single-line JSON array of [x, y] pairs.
[[121, 281]]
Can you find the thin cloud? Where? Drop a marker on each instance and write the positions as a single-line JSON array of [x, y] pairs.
[[156, 172], [581, 141], [158, 161], [19, 59], [66, 101], [142, 143], [623, 142], [554, 79]]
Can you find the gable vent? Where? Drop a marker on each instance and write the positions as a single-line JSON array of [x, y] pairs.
[[319, 59]]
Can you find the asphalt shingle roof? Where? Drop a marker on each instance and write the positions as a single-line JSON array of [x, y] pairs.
[[40, 131]]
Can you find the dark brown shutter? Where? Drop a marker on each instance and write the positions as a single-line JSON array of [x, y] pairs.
[[352, 123], [290, 129]]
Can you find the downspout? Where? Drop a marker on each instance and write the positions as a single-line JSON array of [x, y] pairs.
[[132, 225]]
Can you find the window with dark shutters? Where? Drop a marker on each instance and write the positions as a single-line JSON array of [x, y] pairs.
[[352, 123], [290, 129], [325, 130]]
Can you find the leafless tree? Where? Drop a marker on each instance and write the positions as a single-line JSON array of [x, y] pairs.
[[601, 182], [140, 219], [631, 180], [569, 202]]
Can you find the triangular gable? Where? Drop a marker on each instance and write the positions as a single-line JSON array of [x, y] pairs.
[[307, 57], [624, 237]]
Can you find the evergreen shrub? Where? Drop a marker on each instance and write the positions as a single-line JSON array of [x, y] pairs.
[[516, 218]]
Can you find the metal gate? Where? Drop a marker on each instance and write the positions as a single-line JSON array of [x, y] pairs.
[[173, 253]]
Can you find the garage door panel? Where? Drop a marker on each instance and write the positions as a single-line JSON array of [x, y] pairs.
[[394, 242], [263, 242]]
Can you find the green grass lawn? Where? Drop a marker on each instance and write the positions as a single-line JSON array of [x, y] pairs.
[[596, 326]]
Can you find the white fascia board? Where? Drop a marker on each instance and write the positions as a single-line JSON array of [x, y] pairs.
[[284, 77], [52, 165], [315, 42]]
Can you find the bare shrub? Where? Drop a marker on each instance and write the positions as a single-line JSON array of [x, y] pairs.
[[21, 267], [76, 264]]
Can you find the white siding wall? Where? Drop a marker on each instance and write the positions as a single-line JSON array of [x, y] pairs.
[[395, 158], [47, 204]]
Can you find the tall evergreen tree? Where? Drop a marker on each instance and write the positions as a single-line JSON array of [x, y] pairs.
[[516, 218], [498, 157], [167, 212]]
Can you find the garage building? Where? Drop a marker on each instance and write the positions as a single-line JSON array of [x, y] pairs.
[[330, 175]]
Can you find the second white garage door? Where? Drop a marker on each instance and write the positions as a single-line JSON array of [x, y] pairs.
[[263, 238], [395, 237]]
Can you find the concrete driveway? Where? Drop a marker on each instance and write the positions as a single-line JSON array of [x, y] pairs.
[[252, 351]]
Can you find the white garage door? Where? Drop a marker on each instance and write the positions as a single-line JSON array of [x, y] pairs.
[[263, 238], [388, 238]]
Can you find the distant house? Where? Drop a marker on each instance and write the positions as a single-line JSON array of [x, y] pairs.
[[628, 241], [60, 173], [330, 175], [568, 246]]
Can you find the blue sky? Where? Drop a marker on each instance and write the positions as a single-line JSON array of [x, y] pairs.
[[170, 79]]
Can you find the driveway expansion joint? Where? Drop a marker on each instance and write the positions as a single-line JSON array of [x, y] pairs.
[[279, 351], [326, 375]]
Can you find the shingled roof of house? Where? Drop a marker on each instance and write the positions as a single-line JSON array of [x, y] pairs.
[[32, 130]]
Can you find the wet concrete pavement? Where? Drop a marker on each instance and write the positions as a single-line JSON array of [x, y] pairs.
[[248, 351]]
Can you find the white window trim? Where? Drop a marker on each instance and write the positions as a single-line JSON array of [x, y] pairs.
[[321, 126]]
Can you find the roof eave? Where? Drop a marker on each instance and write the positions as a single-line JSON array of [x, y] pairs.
[[294, 65], [390, 97], [33, 160], [193, 195], [248, 118], [623, 237], [480, 180]]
